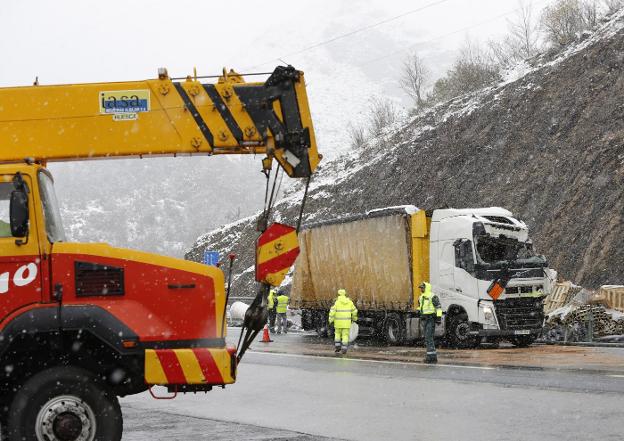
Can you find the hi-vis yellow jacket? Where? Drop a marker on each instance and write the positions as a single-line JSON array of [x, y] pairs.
[[271, 299], [282, 304], [428, 302], [343, 311]]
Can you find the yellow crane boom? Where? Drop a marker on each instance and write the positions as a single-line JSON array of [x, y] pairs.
[[162, 117]]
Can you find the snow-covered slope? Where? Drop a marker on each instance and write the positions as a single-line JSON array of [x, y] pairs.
[[547, 143]]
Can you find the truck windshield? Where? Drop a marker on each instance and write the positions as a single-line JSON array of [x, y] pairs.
[[495, 249], [51, 212]]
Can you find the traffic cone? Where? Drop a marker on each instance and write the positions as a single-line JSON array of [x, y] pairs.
[[265, 335]]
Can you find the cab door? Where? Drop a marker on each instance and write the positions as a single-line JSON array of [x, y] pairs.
[[465, 281], [20, 264], [446, 260]]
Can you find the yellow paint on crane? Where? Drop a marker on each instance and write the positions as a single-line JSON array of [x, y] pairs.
[[154, 372], [190, 366]]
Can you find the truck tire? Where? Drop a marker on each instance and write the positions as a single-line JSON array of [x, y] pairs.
[[457, 332], [523, 341], [65, 404], [320, 324], [393, 329], [5, 402]]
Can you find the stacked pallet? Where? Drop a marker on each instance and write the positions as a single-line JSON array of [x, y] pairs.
[[560, 295], [614, 294]]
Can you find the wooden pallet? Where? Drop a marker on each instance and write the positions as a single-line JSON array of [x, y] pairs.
[[561, 294], [614, 295]]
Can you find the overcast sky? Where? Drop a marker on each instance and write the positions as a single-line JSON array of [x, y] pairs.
[[80, 40], [349, 50]]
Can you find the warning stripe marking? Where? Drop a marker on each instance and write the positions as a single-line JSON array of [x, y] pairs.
[[208, 366], [188, 366], [273, 232], [193, 372], [280, 263], [277, 247], [171, 366], [203, 127], [154, 373], [223, 362], [224, 111]]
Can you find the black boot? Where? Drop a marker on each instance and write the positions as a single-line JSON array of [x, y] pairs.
[[431, 358]]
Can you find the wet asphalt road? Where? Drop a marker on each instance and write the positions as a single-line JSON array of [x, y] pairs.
[[299, 397], [141, 425]]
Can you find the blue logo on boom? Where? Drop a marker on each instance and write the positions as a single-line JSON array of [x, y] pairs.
[[124, 101]]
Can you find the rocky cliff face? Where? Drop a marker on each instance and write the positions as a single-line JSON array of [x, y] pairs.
[[548, 145]]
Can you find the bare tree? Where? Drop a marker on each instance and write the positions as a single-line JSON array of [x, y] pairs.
[[563, 21], [413, 79], [382, 113], [357, 136], [503, 52], [474, 69], [523, 31], [613, 6], [589, 14]]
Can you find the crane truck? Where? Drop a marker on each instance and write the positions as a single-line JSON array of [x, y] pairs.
[[479, 261], [81, 324]]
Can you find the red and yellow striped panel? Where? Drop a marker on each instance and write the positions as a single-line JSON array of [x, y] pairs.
[[188, 366], [277, 249]]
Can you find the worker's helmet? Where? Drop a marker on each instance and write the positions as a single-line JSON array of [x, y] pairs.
[[342, 292]]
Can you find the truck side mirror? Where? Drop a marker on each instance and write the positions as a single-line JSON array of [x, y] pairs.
[[19, 213], [18, 209]]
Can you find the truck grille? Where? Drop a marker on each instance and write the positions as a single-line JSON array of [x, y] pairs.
[[523, 289], [93, 279], [521, 313]]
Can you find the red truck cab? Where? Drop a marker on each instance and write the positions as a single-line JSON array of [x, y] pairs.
[[128, 318]]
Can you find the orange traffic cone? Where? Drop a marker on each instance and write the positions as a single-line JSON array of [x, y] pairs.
[[265, 335]]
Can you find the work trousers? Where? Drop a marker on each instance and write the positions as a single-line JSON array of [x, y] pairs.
[[272, 315], [282, 321], [428, 322], [341, 335]]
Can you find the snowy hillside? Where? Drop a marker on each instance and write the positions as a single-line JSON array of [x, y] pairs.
[[547, 143]]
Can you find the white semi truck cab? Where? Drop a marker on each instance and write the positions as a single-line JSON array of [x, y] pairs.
[[469, 249]]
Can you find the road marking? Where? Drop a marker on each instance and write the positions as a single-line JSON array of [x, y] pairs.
[[615, 376], [281, 354]]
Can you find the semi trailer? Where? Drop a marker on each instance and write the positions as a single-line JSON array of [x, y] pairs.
[[381, 257]]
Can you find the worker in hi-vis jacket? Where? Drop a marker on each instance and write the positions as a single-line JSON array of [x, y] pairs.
[[430, 314], [341, 314]]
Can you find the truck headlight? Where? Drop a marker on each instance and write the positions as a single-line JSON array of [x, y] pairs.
[[488, 314]]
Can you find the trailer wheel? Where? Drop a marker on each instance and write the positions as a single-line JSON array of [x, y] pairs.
[[457, 332], [523, 341], [320, 324], [393, 332], [65, 404]]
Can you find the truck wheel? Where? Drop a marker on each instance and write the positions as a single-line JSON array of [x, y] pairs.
[[321, 325], [5, 402], [523, 341], [65, 404], [457, 332], [393, 332]]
